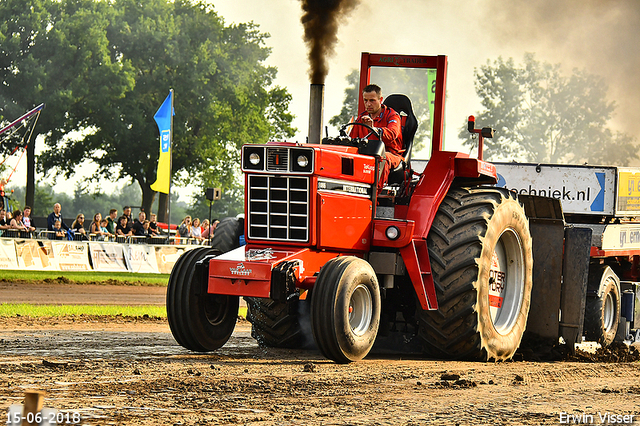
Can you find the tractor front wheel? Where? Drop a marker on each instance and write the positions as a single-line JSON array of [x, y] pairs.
[[199, 321], [345, 309]]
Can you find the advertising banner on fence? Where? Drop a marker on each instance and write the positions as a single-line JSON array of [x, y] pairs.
[[35, 254], [140, 258], [71, 255], [168, 255], [107, 257], [8, 254]]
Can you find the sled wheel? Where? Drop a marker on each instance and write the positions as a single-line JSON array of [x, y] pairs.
[[602, 310], [345, 309], [199, 321], [481, 260]]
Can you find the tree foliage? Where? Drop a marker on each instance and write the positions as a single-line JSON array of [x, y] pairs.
[[104, 67], [542, 116]]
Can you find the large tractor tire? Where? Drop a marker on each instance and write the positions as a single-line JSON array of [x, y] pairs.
[[602, 310], [345, 309], [481, 260], [199, 321], [278, 324], [227, 234]]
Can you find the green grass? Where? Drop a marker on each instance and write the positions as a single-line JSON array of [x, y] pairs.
[[125, 278], [28, 310]]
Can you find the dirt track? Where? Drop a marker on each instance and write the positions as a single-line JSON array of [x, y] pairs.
[[124, 371]]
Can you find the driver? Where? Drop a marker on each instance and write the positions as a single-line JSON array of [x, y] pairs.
[[384, 120]]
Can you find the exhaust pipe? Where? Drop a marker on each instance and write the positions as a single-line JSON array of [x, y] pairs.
[[316, 113]]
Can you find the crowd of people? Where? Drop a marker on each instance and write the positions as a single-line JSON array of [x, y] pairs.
[[109, 228], [17, 221], [194, 229]]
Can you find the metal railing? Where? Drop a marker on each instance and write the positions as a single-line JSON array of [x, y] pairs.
[[51, 235]]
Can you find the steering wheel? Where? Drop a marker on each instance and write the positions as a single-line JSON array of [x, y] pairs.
[[354, 123]]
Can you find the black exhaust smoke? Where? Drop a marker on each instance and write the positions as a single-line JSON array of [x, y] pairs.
[[320, 20]]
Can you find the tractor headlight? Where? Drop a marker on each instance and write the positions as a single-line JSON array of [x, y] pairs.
[[392, 233], [253, 157], [303, 161]]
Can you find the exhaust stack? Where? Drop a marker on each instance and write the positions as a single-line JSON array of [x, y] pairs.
[[316, 113]]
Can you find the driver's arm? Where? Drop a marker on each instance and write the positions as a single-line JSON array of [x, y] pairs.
[[392, 131]]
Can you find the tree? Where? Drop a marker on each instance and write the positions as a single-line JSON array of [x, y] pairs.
[[412, 82], [350, 103], [542, 116], [223, 92], [56, 52]]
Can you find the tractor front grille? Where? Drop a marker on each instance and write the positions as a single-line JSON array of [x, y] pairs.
[[278, 208], [277, 159]]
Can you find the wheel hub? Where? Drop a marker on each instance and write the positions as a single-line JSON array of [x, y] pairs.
[[360, 310], [506, 281]]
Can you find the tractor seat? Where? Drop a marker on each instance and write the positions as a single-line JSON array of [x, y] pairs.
[[402, 105]]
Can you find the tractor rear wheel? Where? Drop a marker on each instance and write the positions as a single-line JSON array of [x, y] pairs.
[[481, 260], [227, 234], [277, 324], [602, 310], [345, 309], [199, 321]]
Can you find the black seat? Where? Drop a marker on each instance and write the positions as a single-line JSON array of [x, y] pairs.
[[402, 105]]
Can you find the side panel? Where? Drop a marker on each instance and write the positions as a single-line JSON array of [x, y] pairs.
[[574, 286], [628, 201], [547, 235], [344, 222], [547, 232]]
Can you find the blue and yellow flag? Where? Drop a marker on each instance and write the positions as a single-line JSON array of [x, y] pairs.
[[163, 118]]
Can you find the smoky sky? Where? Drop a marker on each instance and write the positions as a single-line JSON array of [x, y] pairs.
[[600, 36], [321, 19]]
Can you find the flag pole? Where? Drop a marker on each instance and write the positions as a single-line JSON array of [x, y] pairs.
[[170, 166]]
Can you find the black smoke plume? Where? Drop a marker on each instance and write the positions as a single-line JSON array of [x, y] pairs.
[[321, 19]]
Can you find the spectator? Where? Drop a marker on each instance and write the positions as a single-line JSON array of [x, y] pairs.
[[154, 229], [4, 224], [56, 215], [26, 218], [123, 230], [16, 223], [78, 226], [112, 221], [4, 200], [59, 233], [137, 226], [208, 233], [143, 231], [94, 228], [106, 235], [185, 227], [196, 231], [126, 211]]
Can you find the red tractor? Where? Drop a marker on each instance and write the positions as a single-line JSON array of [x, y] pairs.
[[441, 256]]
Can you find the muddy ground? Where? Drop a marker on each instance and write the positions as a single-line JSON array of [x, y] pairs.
[[124, 371]]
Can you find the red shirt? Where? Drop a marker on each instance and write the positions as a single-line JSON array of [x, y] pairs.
[[389, 122]]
